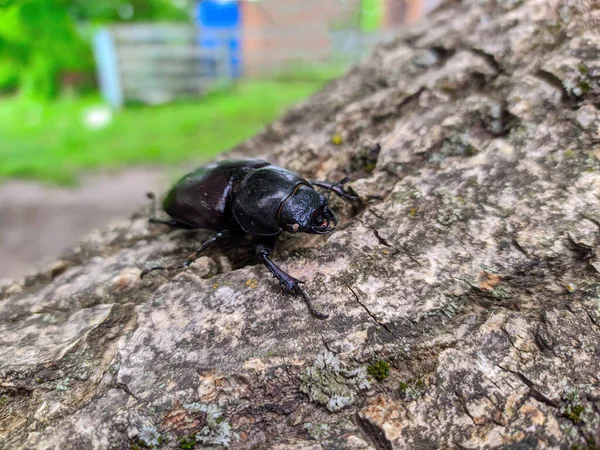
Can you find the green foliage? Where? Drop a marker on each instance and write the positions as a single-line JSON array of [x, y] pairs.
[[379, 370], [102, 11], [371, 15], [40, 40], [9, 75], [50, 142]]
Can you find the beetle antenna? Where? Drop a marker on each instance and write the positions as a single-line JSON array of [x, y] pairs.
[[342, 182], [152, 198]]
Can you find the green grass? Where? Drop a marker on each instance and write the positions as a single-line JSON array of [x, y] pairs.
[[49, 142]]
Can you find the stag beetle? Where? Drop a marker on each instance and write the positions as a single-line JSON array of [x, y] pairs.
[[250, 196]]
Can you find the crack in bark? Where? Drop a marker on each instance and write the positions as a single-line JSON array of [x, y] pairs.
[[493, 419], [510, 342], [375, 214], [489, 58], [409, 255], [373, 433], [533, 391], [381, 324], [463, 405], [377, 118], [327, 345], [520, 249], [591, 219], [556, 82], [381, 240], [126, 389], [592, 319], [286, 366]]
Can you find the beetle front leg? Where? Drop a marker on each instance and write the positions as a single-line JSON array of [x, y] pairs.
[[289, 283], [193, 257], [338, 189]]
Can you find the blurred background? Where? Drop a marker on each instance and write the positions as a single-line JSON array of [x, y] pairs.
[[104, 100]]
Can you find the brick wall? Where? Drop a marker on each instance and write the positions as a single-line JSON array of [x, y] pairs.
[[276, 33], [394, 13]]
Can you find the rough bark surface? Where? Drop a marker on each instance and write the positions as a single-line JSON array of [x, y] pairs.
[[465, 306]]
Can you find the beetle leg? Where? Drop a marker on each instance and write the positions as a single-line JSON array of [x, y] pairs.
[[193, 257], [289, 283], [338, 189]]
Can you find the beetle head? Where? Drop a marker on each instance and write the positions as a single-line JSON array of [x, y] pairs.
[[306, 211]]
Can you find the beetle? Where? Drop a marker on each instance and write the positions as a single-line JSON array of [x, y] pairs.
[[250, 196]]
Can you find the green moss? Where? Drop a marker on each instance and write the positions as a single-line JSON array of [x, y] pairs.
[[403, 386], [585, 87], [574, 414], [583, 68], [379, 370], [188, 442], [447, 89], [370, 167], [4, 400]]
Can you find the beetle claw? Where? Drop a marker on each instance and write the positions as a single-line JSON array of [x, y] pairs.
[[317, 314]]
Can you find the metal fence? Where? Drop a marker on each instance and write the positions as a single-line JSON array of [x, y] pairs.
[[153, 63], [156, 63]]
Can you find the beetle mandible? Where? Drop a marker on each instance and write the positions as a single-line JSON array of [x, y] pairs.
[[251, 196]]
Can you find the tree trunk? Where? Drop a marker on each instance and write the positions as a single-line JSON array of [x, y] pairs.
[[465, 305]]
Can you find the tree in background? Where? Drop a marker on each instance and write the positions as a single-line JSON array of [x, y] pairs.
[[371, 15], [40, 40]]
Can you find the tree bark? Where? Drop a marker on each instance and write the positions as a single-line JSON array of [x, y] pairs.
[[465, 306]]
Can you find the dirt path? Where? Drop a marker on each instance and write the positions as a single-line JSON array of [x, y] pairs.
[[38, 222]]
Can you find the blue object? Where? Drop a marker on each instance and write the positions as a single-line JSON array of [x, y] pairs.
[[107, 66], [220, 25]]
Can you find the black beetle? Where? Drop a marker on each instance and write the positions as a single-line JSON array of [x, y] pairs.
[[250, 196]]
